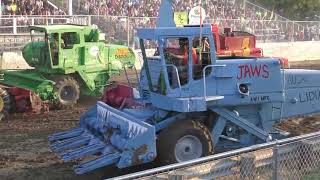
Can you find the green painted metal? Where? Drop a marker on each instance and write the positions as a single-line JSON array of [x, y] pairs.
[[69, 50], [30, 80]]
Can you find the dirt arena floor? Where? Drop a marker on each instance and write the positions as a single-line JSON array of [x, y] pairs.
[[24, 152]]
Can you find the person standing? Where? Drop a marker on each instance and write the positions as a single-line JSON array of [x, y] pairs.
[[13, 7]]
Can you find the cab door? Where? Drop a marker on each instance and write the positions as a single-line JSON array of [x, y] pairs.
[[70, 42]]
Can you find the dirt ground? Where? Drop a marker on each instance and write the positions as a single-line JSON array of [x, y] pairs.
[[24, 152]]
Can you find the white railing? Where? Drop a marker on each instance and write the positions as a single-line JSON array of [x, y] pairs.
[[122, 29]]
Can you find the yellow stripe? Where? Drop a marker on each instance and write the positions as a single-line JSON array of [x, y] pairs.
[[245, 43], [246, 52]]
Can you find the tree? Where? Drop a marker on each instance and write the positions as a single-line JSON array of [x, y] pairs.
[[293, 9]]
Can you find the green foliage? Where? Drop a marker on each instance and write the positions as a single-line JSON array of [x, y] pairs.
[[293, 9]]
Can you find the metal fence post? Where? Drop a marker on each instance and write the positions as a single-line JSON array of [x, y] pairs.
[[14, 25], [128, 30], [275, 162], [294, 31], [89, 20]]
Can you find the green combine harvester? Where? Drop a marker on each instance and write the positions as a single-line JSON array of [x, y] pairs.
[[68, 61]]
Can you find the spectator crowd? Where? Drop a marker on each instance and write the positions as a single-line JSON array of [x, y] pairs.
[[225, 9], [111, 16], [225, 13], [237, 14], [28, 7], [21, 9]]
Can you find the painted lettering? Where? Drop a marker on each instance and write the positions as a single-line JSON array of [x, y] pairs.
[[247, 72], [241, 71], [255, 71], [122, 53], [260, 99], [250, 71], [296, 80], [265, 70], [309, 96]]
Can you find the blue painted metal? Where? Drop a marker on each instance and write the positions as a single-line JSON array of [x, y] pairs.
[[248, 95], [242, 123], [218, 129], [113, 136], [165, 18]]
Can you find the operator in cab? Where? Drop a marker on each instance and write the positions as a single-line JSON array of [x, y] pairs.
[[182, 58], [55, 47]]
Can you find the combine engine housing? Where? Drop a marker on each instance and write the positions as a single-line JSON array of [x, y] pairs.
[[235, 43]]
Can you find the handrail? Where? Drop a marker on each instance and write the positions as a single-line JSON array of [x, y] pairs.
[[177, 74], [204, 77], [217, 156]]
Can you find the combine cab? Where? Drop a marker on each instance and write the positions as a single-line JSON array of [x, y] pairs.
[[68, 62]]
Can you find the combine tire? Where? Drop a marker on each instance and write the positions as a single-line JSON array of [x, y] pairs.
[[184, 141], [67, 90], [5, 103]]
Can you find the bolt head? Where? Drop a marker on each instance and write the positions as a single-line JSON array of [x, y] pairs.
[[150, 156]]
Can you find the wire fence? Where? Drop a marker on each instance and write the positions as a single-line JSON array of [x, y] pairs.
[[122, 29], [11, 42], [291, 158]]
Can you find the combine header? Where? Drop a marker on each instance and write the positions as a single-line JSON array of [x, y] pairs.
[[68, 62], [189, 107]]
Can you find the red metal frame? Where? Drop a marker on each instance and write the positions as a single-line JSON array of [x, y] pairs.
[[26, 101]]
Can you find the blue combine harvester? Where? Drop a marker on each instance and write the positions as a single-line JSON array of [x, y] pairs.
[[192, 103]]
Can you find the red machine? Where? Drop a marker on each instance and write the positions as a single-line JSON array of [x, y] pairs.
[[27, 101], [235, 43], [238, 43], [120, 96]]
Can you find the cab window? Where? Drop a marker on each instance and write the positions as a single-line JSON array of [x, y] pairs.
[[204, 55], [176, 52], [68, 39], [54, 45]]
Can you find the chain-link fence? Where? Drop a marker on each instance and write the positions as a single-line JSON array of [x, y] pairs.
[[19, 24], [120, 20], [122, 29], [292, 158], [11, 42]]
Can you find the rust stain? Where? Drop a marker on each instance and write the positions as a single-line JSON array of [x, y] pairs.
[[140, 151]]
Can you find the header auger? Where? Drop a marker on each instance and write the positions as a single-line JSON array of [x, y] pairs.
[[193, 109]]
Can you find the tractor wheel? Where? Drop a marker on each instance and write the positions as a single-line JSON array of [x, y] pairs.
[[184, 141], [5, 103], [67, 90]]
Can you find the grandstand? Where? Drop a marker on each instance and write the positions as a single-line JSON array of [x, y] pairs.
[[119, 19], [29, 7]]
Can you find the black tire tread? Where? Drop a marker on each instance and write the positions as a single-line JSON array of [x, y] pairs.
[[168, 137], [60, 82], [6, 102]]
